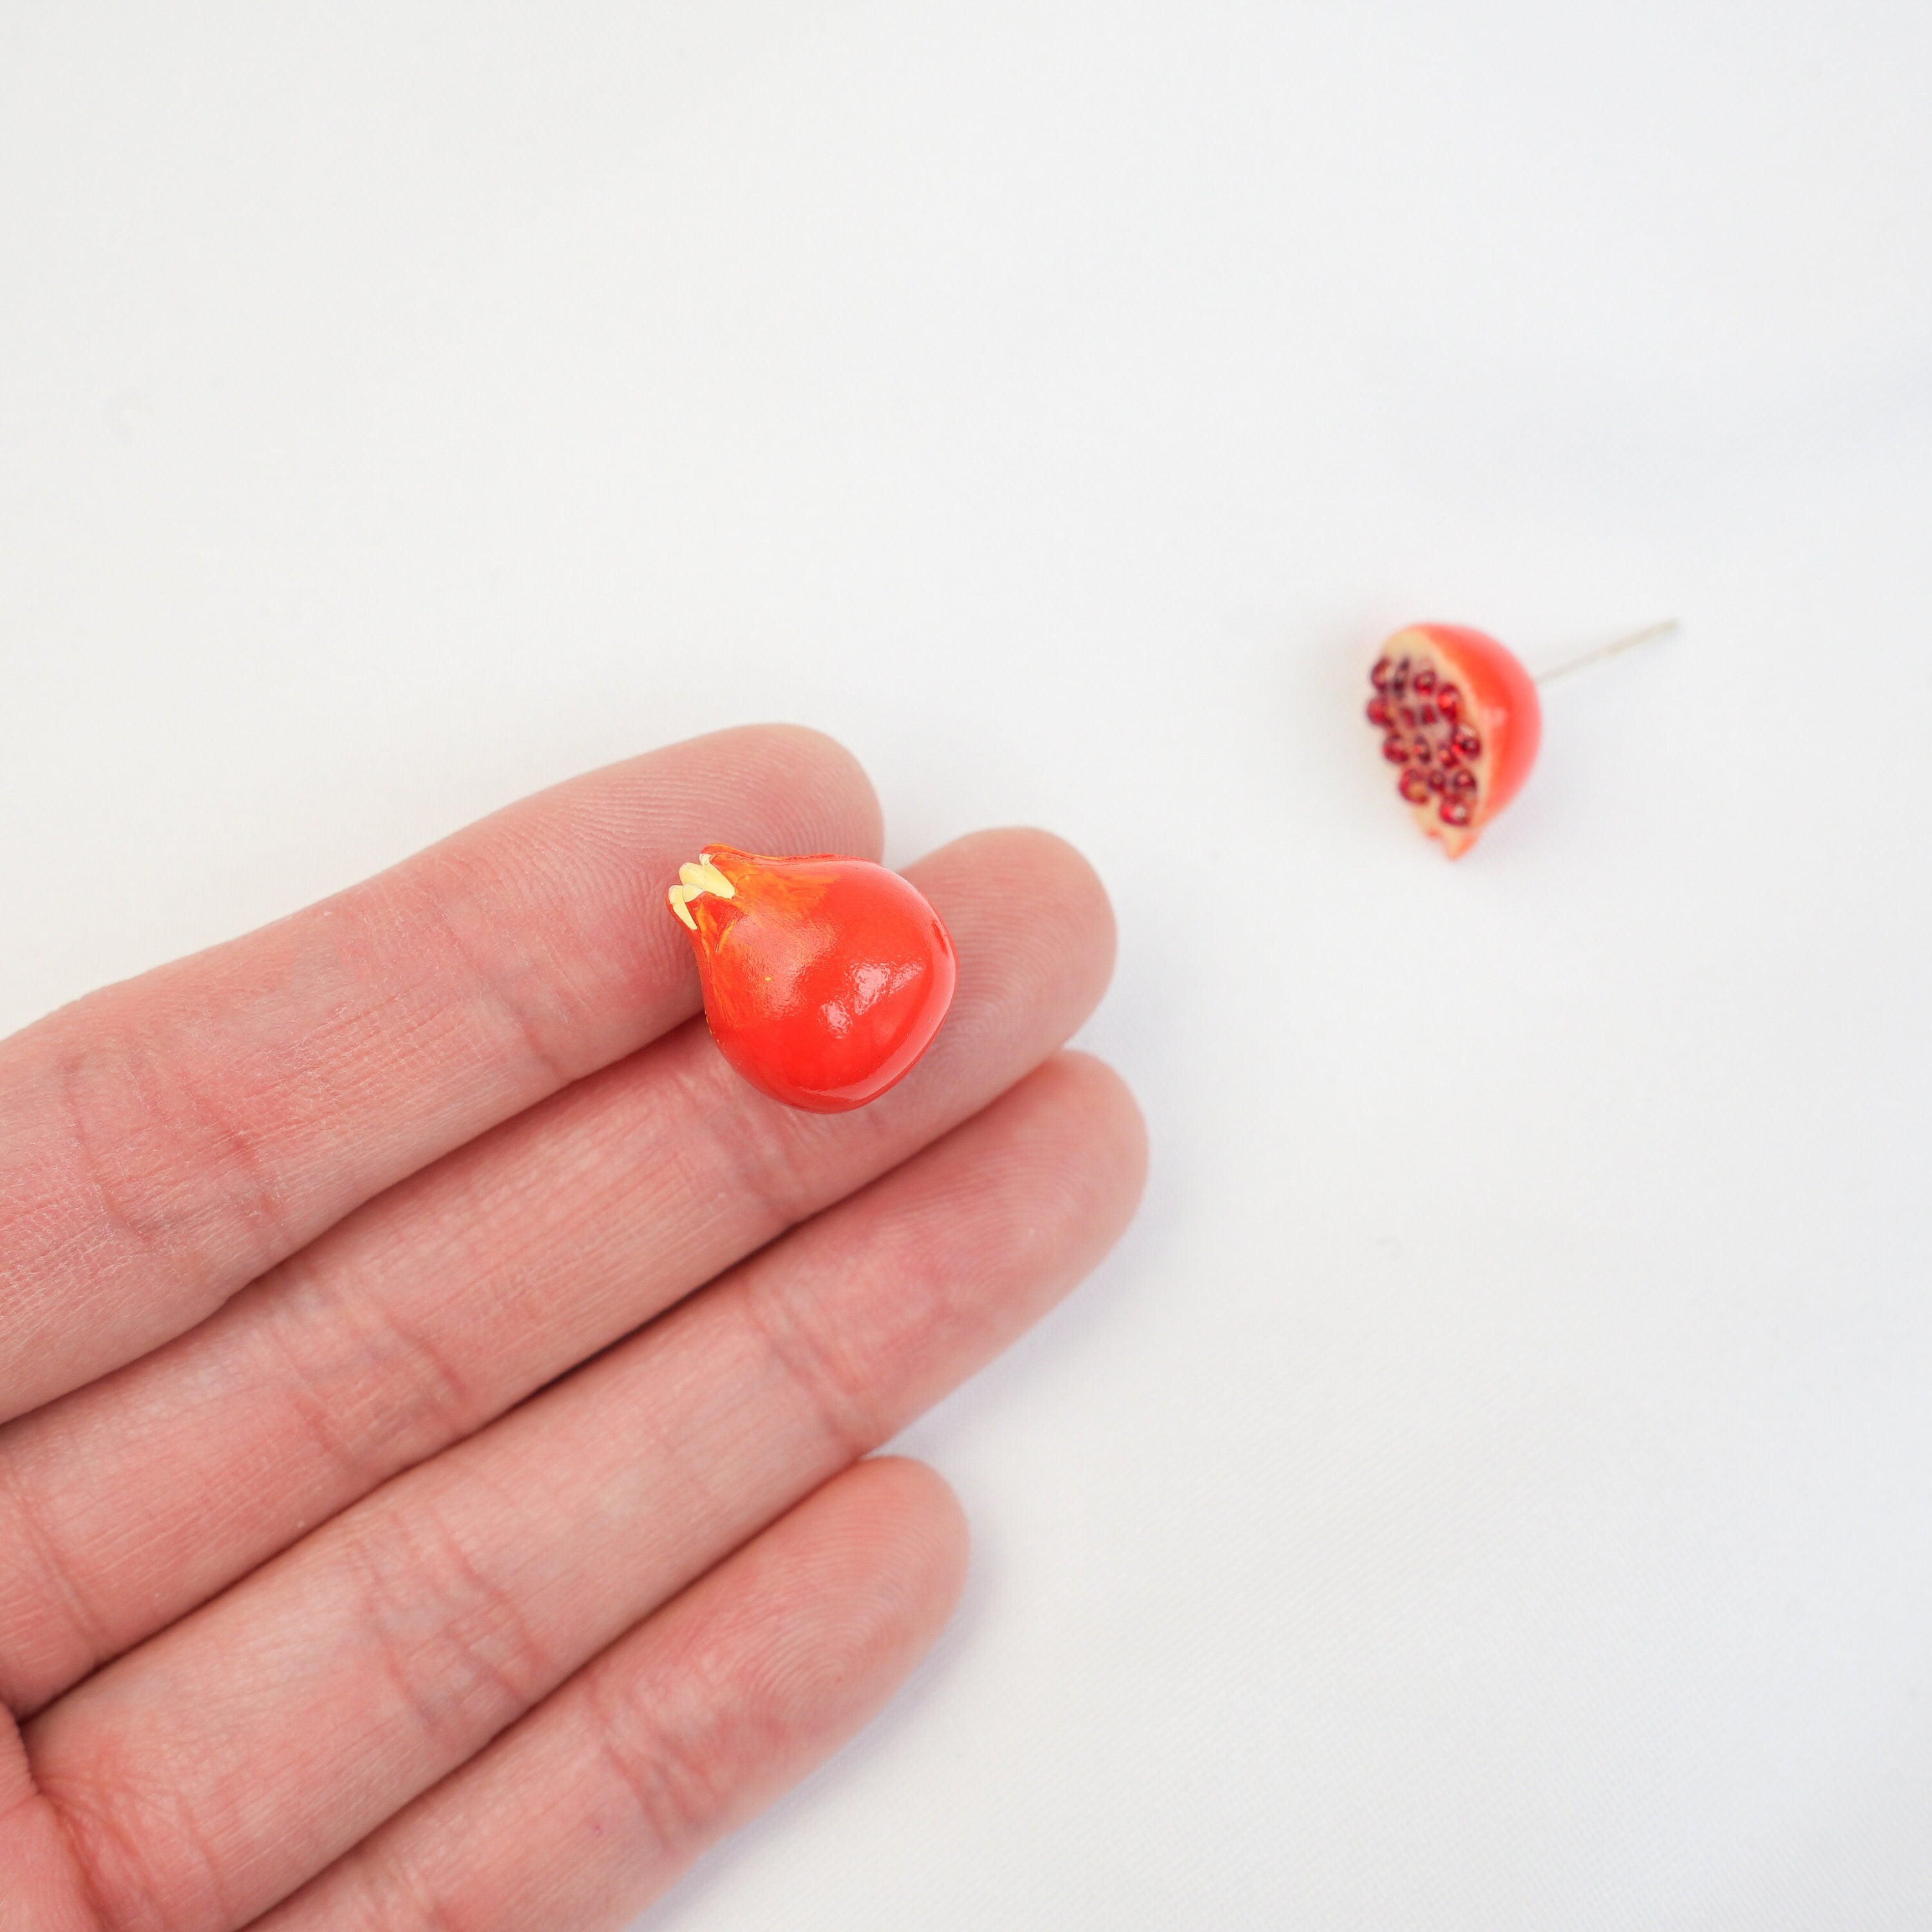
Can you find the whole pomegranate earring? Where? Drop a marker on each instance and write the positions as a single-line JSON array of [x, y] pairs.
[[825, 979], [1461, 717]]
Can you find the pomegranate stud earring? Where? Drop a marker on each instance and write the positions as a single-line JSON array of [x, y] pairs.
[[1461, 717], [825, 978]]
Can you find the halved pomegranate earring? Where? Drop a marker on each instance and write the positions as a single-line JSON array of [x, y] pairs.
[[825, 978], [1461, 717]]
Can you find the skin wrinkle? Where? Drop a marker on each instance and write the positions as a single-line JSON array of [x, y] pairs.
[[313, 1411], [611, 1119], [682, 1098], [563, 1184], [251, 1199], [402, 1032], [763, 1159], [110, 1214], [410, 1905], [670, 1806], [256, 1210], [438, 1402], [678, 1776], [110, 1822], [459, 1654], [812, 1367], [65, 1593], [559, 1069], [692, 1715], [800, 1314], [678, 1773], [84, 1878], [686, 1454], [736, 1717], [42, 1178], [392, 1595], [431, 1390], [402, 1007]]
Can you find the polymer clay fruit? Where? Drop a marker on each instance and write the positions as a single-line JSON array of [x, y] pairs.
[[825, 978], [1460, 717]]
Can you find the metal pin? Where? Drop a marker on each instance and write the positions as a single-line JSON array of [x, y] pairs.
[[1598, 652]]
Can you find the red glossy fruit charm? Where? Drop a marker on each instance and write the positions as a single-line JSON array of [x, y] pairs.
[[825, 979], [1460, 717]]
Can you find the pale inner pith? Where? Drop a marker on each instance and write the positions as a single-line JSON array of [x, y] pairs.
[[694, 880]]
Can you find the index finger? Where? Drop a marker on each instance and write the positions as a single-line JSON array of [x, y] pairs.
[[165, 1141]]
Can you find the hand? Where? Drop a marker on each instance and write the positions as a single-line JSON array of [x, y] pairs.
[[433, 1493]]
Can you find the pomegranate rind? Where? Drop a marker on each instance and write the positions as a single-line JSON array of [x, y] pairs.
[[1499, 703], [1512, 726], [825, 978]]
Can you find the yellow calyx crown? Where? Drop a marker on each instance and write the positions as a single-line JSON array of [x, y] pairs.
[[694, 881]]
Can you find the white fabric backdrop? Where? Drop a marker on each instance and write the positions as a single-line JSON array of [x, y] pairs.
[[1490, 1488]]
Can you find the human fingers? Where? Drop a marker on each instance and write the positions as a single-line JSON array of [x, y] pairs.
[[449, 1298], [164, 1142], [207, 1774], [591, 1806], [42, 1889]]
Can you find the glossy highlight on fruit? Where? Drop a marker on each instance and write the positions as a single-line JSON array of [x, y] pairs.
[[1461, 717], [825, 978]]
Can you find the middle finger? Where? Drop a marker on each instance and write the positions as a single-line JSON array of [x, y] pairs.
[[210, 1772], [449, 1299]]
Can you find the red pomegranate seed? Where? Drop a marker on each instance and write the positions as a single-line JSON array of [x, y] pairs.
[[1378, 711], [1460, 719]]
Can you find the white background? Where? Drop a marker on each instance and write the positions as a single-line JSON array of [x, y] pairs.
[[1491, 1488]]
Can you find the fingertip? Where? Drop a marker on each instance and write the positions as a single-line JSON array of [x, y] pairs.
[[1114, 1117], [1077, 897], [924, 1518], [1055, 880], [1030, 916], [827, 785]]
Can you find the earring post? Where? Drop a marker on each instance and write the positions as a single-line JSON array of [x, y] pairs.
[[1598, 652]]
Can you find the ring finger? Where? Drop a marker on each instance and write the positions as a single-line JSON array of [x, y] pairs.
[[208, 1774]]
